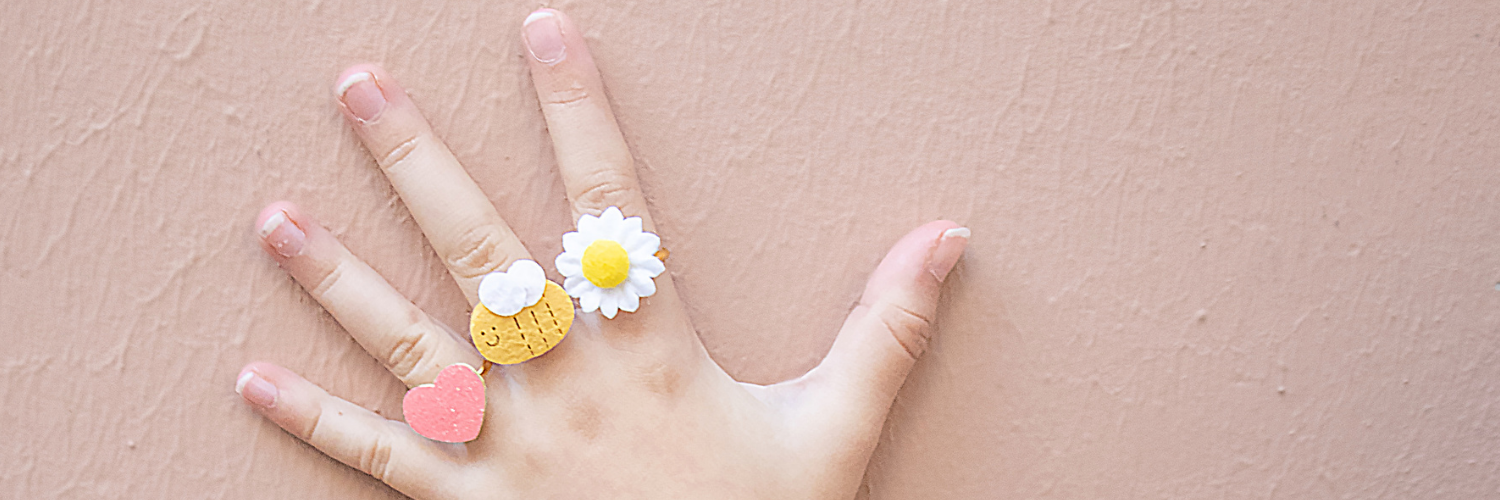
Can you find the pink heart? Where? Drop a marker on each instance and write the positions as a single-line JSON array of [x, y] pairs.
[[451, 409]]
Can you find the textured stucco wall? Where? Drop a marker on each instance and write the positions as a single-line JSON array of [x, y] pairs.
[[1221, 249]]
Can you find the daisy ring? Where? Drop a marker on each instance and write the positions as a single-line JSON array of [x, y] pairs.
[[610, 262]]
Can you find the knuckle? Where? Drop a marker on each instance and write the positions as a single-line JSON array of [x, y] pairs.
[[566, 96], [375, 459], [411, 347], [398, 156], [611, 186], [910, 329], [477, 251], [661, 379], [322, 284], [309, 427]]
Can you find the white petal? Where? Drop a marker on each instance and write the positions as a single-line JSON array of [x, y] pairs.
[[607, 305], [578, 286], [628, 301], [634, 224], [650, 265], [640, 284], [589, 302], [575, 243], [590, 226], [645, 243], [612, 216], [626, 228], [612, 225], [569, 264]]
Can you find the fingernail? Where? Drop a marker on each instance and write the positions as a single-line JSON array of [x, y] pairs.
[[950, 247], [544, 37], [256, 390], [361, 94], [283, 235]]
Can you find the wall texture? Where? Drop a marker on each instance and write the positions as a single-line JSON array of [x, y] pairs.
[[1221, 249]]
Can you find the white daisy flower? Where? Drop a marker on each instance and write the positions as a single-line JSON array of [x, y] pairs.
[[609, 263]]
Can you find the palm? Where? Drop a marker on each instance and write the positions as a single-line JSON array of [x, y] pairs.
[[625, 407]]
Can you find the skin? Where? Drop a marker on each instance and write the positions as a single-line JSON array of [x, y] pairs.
[[631, 407]]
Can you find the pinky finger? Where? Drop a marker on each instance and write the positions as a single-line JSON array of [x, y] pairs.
[[386, 449]]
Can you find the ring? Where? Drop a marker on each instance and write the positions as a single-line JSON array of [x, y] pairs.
[[610, 262], [520, 315]]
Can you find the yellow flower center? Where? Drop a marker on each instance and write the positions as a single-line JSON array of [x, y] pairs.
[[606, 264]]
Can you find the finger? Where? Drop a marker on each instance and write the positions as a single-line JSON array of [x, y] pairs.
[[459, 221], [596, 166], [595, 162], [408, 342], [887, 331], [386, 449]]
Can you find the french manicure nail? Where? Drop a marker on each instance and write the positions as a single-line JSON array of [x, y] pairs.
[[256, 390], [283, 235], [361, 94], [544, 37], [950, 246]]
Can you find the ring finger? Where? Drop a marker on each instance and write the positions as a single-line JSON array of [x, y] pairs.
[[410, 344]]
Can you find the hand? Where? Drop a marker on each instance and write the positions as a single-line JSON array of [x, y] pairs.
[[631, 407]]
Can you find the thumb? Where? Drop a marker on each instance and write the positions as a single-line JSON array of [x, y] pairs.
[[884, 334]]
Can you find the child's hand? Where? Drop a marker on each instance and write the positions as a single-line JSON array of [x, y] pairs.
[[631, 407]]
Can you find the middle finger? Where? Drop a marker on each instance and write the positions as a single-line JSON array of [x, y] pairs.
[[458, 219], [596, 164]]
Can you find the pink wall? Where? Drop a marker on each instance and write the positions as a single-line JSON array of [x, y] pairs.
[[1221, 250]]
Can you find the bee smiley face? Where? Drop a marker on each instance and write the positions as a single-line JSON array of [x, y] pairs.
[[490, 338]]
